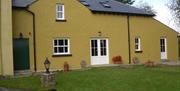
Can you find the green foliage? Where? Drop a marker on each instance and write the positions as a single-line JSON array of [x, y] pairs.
[[175, 8], [130, 2], [146, 7]]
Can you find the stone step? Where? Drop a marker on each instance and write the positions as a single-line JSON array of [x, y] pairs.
[[22, 73]]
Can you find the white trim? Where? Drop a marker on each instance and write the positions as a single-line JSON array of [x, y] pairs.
[[138, 44], [60, 12], [163, 54], [68, 46], [101, 59]]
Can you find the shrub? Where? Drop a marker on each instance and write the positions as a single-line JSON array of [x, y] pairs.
[[149, 64], [117, 60]]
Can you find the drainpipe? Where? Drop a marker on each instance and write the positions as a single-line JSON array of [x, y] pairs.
[[34, 37], [129, 39]]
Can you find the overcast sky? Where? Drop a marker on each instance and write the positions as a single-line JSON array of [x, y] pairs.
[[163, 12]]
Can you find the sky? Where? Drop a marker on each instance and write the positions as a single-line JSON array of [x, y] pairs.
[[163, 12]]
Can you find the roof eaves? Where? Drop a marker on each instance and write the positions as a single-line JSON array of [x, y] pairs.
[[127, 13]]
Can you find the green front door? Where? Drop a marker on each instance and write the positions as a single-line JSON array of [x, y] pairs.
[[21, 54]]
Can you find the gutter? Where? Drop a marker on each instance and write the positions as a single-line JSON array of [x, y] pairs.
[[129, 41], [34, 37]]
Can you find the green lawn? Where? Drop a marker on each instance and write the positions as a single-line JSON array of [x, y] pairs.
[[107, 79]]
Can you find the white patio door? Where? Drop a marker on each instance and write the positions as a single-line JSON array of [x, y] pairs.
[[163, 47], [99, 51]]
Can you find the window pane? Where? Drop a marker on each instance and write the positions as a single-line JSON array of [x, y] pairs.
[[104, 43], [95, 43], [136, 47], [102, 51], [101, 43], [59, 7], [160, 41], [61, 43], [66, 49], [92, 52], [55, 50], [105, 52], [66, 42], [59, 15], [55, 42], [61, 50], [136, 40], [92, 43], [96, 52]]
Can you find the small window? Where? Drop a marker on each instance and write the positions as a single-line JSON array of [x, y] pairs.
[[105, 4], [84, 3], [61, 46], [60, 12], [137, 44]]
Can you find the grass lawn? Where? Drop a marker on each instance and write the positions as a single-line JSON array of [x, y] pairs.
[[107, 79]]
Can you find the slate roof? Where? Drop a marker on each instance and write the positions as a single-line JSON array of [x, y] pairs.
[[22, 3], [113, 6]]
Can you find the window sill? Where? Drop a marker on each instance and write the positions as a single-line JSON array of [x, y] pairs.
[[140, 51], [61, 55], [59, 20]]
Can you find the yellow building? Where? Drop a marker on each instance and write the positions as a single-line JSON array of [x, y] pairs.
[[74, 30]]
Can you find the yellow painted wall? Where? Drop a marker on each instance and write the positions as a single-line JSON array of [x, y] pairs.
[[150, 31], [6, 38], [81, 25], [23, 23]]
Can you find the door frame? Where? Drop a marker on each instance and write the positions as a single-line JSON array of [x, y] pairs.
[[28, 52], [165, 44], [107, 50]]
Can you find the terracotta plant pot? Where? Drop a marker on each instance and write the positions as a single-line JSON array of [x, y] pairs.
[[66, 67], [117, 60]]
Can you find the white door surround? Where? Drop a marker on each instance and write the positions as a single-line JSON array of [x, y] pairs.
[[99, 51], [163, 48]]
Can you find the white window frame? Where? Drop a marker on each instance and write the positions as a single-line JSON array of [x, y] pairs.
[[138, 44], [68, 46], [60, 12]]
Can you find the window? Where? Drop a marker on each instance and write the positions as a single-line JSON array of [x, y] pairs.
[[61, 46], [105, 4], [162, 45], [84, 3], [137, 44], [60, 12]]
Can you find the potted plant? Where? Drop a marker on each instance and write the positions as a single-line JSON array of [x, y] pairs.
[[117, 60]]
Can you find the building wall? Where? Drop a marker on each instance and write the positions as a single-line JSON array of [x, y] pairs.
[[81, 25], [79, 28], [23, 23], [150, 31], [6, 38]]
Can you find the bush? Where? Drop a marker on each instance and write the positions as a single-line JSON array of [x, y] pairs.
[[117, 60], [149, 64]]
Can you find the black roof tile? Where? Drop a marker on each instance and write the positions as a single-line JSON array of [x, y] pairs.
[[22, 3], [114, 7]]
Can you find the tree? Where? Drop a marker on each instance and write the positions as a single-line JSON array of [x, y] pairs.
[[146, 7], [130, 2], [175, 9]]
